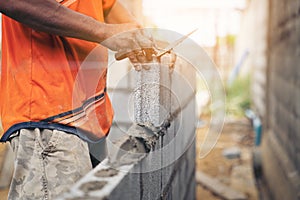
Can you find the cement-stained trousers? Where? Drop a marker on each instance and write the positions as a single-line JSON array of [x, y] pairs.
[[47, 163]]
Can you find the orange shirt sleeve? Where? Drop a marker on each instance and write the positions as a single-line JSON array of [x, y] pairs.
[[107, 4]]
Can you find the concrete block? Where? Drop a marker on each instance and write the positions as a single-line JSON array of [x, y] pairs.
[[176, 190], [191, 188], [183, 178], [189, 122], [288, 89], [169, 196], [165, 92], [276, 166], [146, 95], [128, 188], [117, 76], [183, 82], [122, 102], [117, 131], [292, 131], [168, 154], [292, 9], [179, 140], [151, 174], [191, 156], [296, 101], [298, 159], [297, 133], [151, 185], [281, 134], [132, 77]]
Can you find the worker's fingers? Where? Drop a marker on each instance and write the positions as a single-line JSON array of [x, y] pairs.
[[137, 57], [169, 59], [141, 57], [132, 57], [137, 66], [149, 53], [173, 60], [146, 66]]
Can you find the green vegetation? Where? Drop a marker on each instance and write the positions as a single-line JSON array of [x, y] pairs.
[[238, 97]]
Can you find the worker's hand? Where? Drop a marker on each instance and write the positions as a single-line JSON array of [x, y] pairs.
[[129, 41], [169, 59]]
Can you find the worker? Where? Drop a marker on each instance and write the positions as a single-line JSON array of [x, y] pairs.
[[49, 110]]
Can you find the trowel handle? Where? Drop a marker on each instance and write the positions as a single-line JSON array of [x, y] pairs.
[[123, 55], [148, 52]]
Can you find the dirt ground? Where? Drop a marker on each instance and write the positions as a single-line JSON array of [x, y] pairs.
[[235, 173]]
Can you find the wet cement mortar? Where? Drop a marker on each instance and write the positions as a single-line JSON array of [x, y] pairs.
[[139, 141], [85, 198], [92, 186], [110, 172]]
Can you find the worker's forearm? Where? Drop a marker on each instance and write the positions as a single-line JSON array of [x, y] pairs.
[[51, 17]]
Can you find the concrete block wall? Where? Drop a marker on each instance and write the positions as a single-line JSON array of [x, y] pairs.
[[281, 146], [253, 38], [166, 172]]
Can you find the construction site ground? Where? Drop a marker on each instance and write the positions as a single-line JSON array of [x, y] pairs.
[[235, 173]]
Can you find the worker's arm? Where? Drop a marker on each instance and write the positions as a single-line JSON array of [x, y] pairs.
[[51, 17]]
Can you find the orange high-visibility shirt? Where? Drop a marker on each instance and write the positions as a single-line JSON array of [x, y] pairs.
[[54, 82]]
